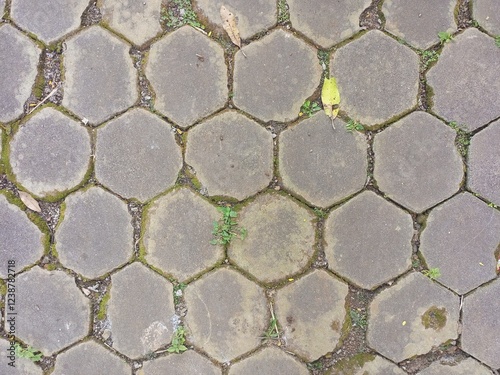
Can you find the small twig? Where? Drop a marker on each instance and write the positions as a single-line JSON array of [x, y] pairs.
[[45, 99]]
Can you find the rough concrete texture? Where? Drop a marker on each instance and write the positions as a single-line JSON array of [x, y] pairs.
[[188, 362], [483, 175], [278, 74], [267, 362], [95, 235], [487, 13], [51, 298], [419, 22], [227, 314], [466, 367], [178, 234], [100, 79], [18, 69], [189, 79], [312, 312], [324, 22], [138, 21], [460, 238], [140, 310], [320, 164], [377, 78], [365, 364], [405, 164], [23, 366], [474, 58], [19, 236], [2, 4], [231, 155], [252, 17], [90, 358], [480, 328], [48, 19], [136, 155], [411, 317], [368, 255], [280, 238], [50, 153]]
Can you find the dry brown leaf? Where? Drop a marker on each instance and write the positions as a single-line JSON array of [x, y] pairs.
[[229, 25], [29, 201]]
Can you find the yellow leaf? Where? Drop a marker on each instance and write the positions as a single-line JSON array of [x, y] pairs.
[[229, 25], [29, 201], [330, 97]]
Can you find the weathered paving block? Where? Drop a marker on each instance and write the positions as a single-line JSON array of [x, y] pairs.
[[377, 77], [484, 163], [253, 17], [138, 21], [487, 13], [141, 310], [23, 366], [95, 235], [405, 161], [365, 364], [311, 312], [280, 238], [51, 298], [136, 155], [18, 69], [267, 362], [2, 4], [19, 237], [100, 79], [90, 358], [474, 58], [178, 234], [188, 362], [231, 154], [326, 23], [419, 22], [322, 165], [411, 317], [460, 238], [227, 314], [466, 367], [190, 79], [278, 74], [48, 19], [480, 329], [50, 153], [368, 240]]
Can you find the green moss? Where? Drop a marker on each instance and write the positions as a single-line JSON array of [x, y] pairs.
[[434, 318], [39, 85], [3, 287], [103, 306], [351, 365]]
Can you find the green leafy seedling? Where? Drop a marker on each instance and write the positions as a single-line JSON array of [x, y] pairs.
[[358, 319], [432, 273], [354, 126], [497, 41], [444, 37], [309, 108], [28, 353], [428, 57], [226, 228], [177, 345]]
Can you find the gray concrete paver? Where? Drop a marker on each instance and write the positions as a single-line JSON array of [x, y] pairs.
[[188, 362], [487, 13], [365, 364], [23, 366], [466, 367], [2, 4], [267, 362]]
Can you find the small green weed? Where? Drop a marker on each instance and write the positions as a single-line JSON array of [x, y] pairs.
[[432, 273], [320, 213], [428, 57], [283, 13], [178, 292], [358, 319], [226, 228], [462, 141], [29, 353], [309, 108], [492, 205], [180, 13], [177, 345], [444, 37], [317, 365], [354, 126], [497, 41], [272, 332]]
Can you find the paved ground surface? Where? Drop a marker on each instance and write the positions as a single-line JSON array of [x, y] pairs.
[[369, 249]]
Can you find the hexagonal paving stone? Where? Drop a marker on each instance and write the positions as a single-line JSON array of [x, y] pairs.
[[138, 21], [19, 236], [51, 298], [419, 22], [368, 240], [253, 17], [326, 23], [188, 362], [480, 328], [100, 79], [280, 238], [279, 72], [377, 77], [405, 161], [365, 364], [487, 13], [232, 155], [267, 362], [411, 317], [190, 79], [474, 58], [484, 163], [178, 234], [141, 310], [320, 164], [90, 358], [465, 367], [227, 314], [95, 235], [136, 155], [50, 153], [18, 69], [312, 312], [8, 359], [460, 239], [48, 19]]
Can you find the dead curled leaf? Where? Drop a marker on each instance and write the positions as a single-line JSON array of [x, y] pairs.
[[229, 25], [29, 201]]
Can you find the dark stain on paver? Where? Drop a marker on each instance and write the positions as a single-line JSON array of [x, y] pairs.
[[434, 318]]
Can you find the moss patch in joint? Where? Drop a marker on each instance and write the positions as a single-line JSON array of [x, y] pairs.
[[103, 307]]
